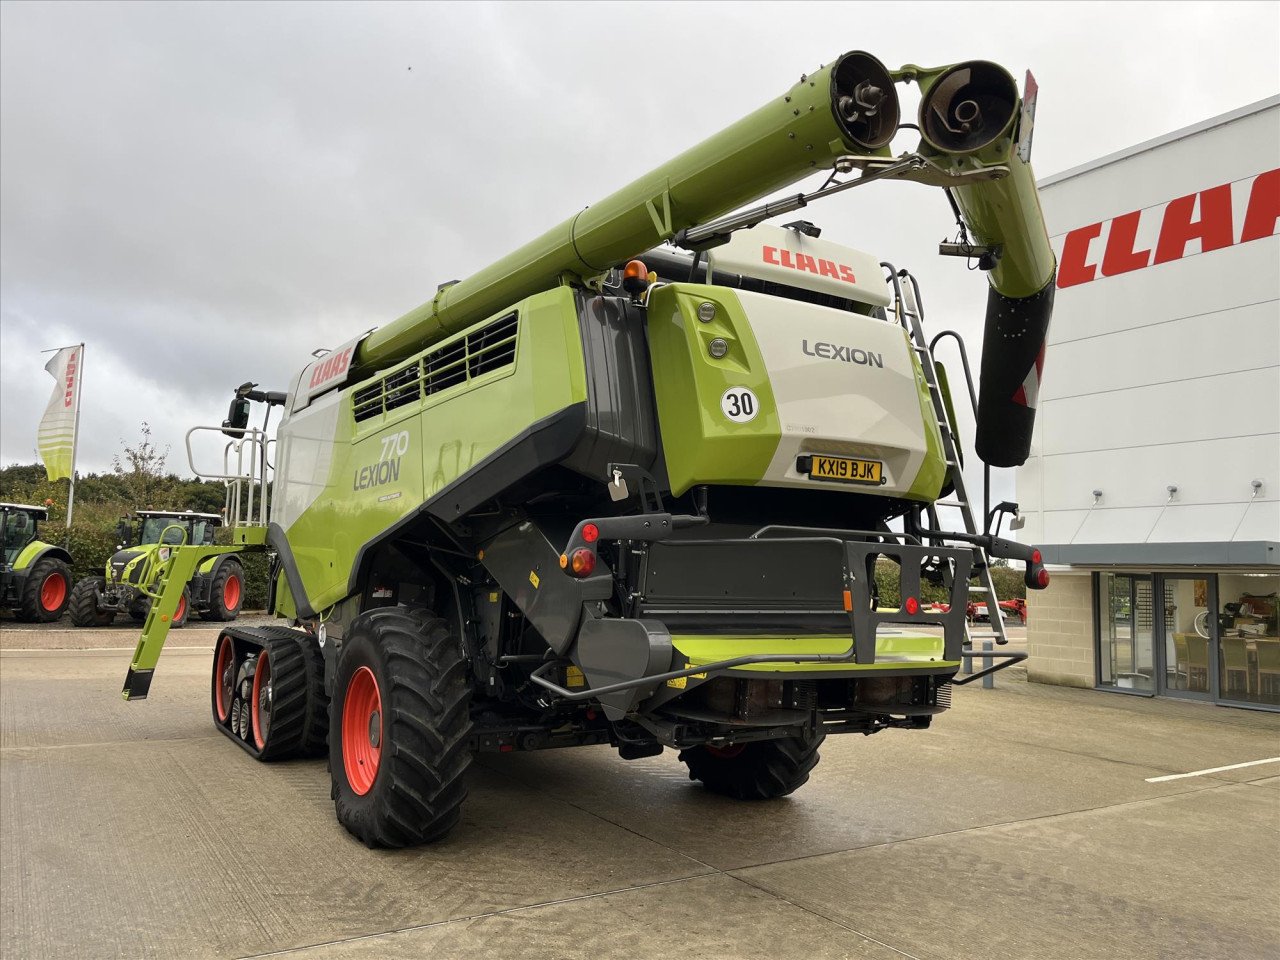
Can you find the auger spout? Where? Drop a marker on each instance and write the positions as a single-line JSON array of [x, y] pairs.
[[849, 107], [971, 117]]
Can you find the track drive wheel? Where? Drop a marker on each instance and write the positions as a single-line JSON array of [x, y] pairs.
[[400, 728], [84, 604], [226, 593], [46, 592], [762, 770]]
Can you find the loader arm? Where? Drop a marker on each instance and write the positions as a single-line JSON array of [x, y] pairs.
[[174, 577]]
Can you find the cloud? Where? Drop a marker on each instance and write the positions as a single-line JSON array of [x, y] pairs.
[[204, 193]]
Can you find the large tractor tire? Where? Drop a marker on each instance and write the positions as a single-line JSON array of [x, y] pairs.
[[46, 592], [84, 604], [226, 593], [762, 770], [183, 612], [400, 729]]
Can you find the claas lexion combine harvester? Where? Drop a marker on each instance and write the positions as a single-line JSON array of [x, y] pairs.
[[628, 485]]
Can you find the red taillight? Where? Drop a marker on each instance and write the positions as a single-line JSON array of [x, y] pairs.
[[912, 606], [1043, 579], [582, 563], [591, 533], [1035, 556]]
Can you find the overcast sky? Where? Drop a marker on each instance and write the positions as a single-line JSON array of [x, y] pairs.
[[205, 193]]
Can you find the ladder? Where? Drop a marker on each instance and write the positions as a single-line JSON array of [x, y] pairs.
[[910, 314]]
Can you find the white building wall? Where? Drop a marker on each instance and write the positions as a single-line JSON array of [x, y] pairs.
[[1169, 374]]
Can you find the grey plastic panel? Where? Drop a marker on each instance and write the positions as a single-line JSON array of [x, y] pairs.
[[621, 416]]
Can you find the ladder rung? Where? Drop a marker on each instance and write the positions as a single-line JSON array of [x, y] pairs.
[[983, 636], [951, 503], [978, 589]]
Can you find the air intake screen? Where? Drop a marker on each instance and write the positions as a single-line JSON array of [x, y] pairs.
[[490, 348]]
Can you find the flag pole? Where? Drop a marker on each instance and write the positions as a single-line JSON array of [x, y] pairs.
[[75, 436]]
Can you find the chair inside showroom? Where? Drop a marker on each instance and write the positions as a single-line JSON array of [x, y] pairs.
[[1181, 678], [1197, 662], [1269, 668], [1235, 666]]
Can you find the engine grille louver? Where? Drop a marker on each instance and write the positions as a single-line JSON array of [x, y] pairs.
[[490, 348]]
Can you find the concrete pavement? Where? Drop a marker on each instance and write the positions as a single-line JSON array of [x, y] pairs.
[[1021, 826]]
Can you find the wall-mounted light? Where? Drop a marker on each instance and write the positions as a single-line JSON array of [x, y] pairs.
[[1257, 488], [1097, 497], [1173, 492]]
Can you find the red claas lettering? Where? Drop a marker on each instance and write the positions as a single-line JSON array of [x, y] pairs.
[[1203, 217]]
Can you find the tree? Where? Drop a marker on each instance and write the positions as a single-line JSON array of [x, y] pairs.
[[141, 469]]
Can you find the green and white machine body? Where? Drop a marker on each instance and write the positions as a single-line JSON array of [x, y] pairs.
[[650, 498]]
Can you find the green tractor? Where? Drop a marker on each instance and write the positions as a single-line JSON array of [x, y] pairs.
[[35, 577], [133, 574], [628, 485]]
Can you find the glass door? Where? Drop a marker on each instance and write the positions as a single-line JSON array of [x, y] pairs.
[[1128, 655], [1188, 636]]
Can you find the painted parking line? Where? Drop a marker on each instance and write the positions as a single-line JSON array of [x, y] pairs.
[[1204, 773]]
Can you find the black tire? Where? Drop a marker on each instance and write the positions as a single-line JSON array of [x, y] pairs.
[[43, 600], [416, 769], [315, 726], [183, 613], [763, 770], [219, 610], [277, 701], [84, 604]]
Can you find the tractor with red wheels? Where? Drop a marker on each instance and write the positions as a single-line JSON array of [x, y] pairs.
[[35, 577], [135, 572]]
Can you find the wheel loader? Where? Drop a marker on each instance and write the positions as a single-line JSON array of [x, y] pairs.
[[35, 577], [132, 574], [628, 485]]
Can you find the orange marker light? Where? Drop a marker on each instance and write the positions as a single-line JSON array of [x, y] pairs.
[[582, 563], [848, 601], [635, 277]]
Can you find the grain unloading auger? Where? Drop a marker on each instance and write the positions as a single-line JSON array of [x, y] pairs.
[[572, 500]]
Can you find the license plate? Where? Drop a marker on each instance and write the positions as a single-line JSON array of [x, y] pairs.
[[846, 470]]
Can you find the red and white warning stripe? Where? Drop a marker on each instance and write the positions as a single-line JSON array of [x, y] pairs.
[[1029, 392]]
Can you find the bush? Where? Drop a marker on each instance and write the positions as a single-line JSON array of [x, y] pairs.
[[101, 500]]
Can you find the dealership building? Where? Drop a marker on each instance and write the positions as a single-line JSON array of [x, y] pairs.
[[1153, 486]]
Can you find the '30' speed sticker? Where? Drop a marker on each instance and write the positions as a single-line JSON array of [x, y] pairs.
[[739, 404]]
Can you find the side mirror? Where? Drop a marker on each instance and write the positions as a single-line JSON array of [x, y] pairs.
[[237, 417]]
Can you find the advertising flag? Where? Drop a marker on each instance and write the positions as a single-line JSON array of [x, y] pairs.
[[57, 435]]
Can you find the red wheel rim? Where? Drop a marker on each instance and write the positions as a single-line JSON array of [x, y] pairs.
[[362, 731], [53, 591], [231, 592], [182, 609], [222, 684], [261, 697], [726, 752]]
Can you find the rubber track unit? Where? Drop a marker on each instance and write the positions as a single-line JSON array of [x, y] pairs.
[[315, 726], [84, 604], [763, 770], [288, 688], [31, 609], [426, 744]]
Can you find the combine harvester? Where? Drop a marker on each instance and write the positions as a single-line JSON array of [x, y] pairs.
[[628, 485]]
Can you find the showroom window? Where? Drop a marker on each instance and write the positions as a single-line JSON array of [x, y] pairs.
[[1195, 636]]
